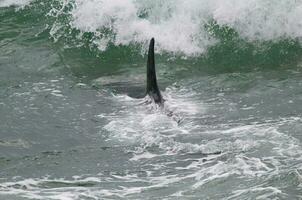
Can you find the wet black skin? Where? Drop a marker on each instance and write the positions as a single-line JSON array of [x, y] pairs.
[[152, 87]]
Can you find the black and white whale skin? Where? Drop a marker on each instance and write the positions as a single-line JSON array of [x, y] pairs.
[[152, 88]]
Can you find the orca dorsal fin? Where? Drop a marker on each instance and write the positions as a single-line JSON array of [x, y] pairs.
[[152, 87]]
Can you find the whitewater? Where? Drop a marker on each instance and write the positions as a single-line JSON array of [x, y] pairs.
[[75, 124]]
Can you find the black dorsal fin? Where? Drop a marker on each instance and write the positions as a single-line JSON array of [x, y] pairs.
[[152, 88]]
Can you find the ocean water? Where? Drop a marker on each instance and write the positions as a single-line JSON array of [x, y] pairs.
[[75, 125]]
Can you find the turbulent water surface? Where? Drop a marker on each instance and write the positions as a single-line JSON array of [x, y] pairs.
[[74, 124]]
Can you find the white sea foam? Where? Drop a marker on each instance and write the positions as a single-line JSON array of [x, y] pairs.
[[20, 3], [240, 147], [222, 169], [180, 26], [255, 153], [140, 121]]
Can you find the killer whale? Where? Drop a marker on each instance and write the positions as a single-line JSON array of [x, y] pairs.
[[152, 89]]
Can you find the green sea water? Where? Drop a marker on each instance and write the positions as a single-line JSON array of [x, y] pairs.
[[75, 124]]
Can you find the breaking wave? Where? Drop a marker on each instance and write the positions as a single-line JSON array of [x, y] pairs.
[[188, 27], [216, 33]]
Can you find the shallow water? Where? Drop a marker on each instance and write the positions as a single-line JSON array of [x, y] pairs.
[[74, 123]]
